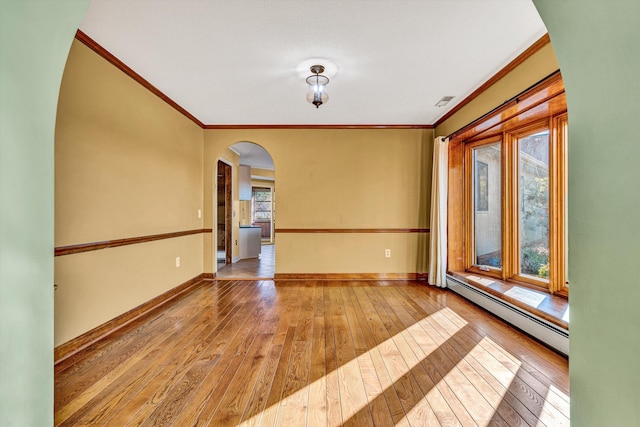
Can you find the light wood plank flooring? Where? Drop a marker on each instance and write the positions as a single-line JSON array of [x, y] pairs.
[[315, 353], [262, 267]]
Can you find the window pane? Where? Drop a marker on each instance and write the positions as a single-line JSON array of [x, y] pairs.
[[262, 215], [262, 196], [533, 198], [262, 206], [261, 209], [487, 205]]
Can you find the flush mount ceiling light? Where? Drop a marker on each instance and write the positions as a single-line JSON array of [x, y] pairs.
[[317, 94]]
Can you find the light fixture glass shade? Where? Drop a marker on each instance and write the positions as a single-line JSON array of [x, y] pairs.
[[317, 94], [313, 97], [317, 80]]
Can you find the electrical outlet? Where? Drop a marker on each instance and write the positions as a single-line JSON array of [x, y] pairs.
[[387, 253], [177, 261], [199, 213]]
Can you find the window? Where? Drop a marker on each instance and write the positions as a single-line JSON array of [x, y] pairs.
[[487, 202], [508, 191], [507, 200], [261, 201], [514, 189], [482, 185], [533, 201]]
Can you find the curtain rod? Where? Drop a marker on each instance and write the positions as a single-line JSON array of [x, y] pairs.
[[504, 103]]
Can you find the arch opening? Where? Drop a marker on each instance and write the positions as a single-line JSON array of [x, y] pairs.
[[244, 212]]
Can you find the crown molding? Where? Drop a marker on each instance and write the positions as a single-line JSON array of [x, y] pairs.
[[109, 57], [303, 126], [535, 47]]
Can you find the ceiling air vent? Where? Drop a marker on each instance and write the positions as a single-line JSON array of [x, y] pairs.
[[444, 101]]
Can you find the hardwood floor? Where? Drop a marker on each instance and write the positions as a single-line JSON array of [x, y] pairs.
[[262, 267], [316, 353]]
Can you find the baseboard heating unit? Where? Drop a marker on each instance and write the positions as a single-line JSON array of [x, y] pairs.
[[547, 332]]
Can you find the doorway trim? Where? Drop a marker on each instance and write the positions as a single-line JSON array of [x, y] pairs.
[[228, 213]]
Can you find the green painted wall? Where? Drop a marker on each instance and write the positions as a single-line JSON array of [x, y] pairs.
[[34, 42], [597, 46]]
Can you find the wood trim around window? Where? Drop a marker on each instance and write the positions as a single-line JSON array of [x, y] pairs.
[[469, 211], [560, 189], [543, 107], [546, 99], [513, 246]]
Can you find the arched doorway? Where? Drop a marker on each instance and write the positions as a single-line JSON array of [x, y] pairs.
[[244, 212]]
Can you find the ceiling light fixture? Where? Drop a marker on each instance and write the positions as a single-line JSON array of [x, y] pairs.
[[317, 94]]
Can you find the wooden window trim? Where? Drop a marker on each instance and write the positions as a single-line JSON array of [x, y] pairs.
[[560, 126], [469, 210], [513, 244], [540, 108]]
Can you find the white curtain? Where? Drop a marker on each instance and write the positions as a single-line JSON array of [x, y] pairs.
[[438, 223]]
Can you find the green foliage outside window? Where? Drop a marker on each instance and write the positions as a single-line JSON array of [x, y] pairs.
[[534, 259]]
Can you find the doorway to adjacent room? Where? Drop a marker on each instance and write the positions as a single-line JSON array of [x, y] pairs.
[[225, 212], [245, 233]]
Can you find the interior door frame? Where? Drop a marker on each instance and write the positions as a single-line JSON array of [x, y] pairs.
[[228, 209]]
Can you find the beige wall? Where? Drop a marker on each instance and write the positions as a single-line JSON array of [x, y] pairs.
[[263, 173], [341, 179], [126, 165], [97, 286], [535, 68], [129, 165]]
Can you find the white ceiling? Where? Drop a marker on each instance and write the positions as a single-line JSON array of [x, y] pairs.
[[244, 62], [253, 155]]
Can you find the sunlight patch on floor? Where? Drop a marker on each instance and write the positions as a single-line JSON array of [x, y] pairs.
[[555, 411], [364, 378], [469, 380]]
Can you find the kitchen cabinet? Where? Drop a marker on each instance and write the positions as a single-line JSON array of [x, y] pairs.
[[244, 181], [250, 242]]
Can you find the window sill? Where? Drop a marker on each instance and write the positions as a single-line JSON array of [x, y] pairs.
[[554, 309]]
